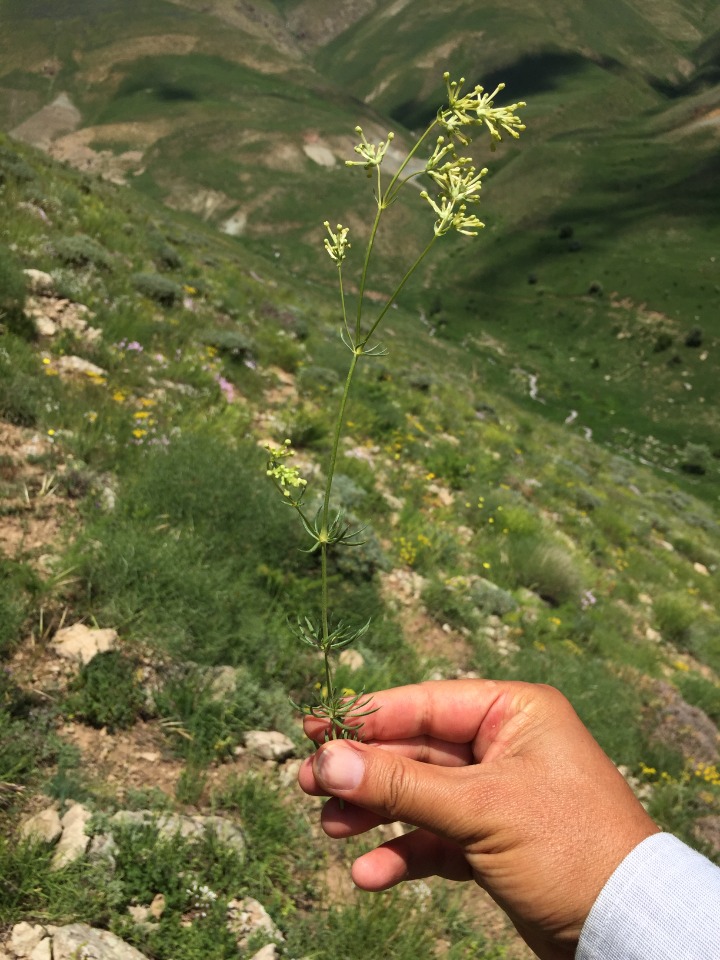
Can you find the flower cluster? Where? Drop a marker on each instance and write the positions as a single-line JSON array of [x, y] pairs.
[[337, 243], [477, 108], [372, 154], [282, 475]]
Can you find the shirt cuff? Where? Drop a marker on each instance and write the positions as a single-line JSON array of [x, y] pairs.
[[661, 903]]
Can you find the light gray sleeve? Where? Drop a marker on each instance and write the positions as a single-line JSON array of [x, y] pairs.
[[662, 903]]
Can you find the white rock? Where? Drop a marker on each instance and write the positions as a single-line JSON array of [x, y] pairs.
[[24, 937], [43, 951], [247, 917], [352, 659], [39, 282], [288, 773], [320, 154], [157, 907], [138, 913], [223, 682], [103, 847], [74, 840], [70, 364], [170, 825], [701, 569], [269, 745], [44, 326], [81, 643], [42, 826], [78, 941], [268, 952]]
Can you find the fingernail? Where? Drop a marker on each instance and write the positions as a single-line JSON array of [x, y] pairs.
[[339, 767]]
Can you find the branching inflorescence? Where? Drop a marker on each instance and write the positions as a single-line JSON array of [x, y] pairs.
[[456, 185]]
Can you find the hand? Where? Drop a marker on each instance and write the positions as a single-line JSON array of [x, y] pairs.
[[507, 788]]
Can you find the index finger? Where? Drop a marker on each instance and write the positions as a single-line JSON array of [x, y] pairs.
[[454, 711]]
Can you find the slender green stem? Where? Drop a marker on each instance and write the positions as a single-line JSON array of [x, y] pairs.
[[397, 290], [366, 264], [389, 196], [383, 201], [326, 510]]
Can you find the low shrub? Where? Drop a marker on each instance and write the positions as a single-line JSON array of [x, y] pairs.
[[545, 568], [233, 344], [155, 287], [82, 251], [13, 290], [107, 692], [675, 614]]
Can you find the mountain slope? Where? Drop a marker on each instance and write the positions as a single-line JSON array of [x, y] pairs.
[[241, 115]]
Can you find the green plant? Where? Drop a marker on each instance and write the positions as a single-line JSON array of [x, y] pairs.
[[13, 288], [82, 251], [547, 568], [158, 288], [456, 184], [107, 692], [675, 614]]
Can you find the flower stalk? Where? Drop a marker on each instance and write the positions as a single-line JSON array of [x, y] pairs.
[[454, 188]]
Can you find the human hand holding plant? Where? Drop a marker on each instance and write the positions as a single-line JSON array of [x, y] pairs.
[[506, 787], [455, 184]]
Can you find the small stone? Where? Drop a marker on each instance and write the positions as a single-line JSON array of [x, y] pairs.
[[653, 635], [138, 913], [247, 917], [288, 772], [701, 569], [157, 907], [74, 840], [352, 659], [269, 745], [268, 952], [44, 326], [42, 826], [43, 951], [81, 643], [78, 940], [24, 937], [70, 365], [223, 682], [39, 282], [103, 847]]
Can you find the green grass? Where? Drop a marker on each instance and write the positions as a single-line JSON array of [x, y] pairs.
[[180, 544]]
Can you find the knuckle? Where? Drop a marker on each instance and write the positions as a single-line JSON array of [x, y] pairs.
[[397, 788]]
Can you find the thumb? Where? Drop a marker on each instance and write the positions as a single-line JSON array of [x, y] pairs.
[[398, 788]]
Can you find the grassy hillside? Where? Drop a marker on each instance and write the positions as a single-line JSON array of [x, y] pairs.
[[607, 213], [499, 544]]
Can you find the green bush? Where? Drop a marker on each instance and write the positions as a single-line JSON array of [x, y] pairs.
[[491, 599], [230, 343], [212, 718], [695, 458], [13, 290], [155, 287], [448, 605], [14, 166], [82, 251], [546, 568], [107, 692], [19, 584], [675, 614], [700, 693], [196, 556]]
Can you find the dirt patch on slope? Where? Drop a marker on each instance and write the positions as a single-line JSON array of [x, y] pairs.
[[52, 121], [97, 66]]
